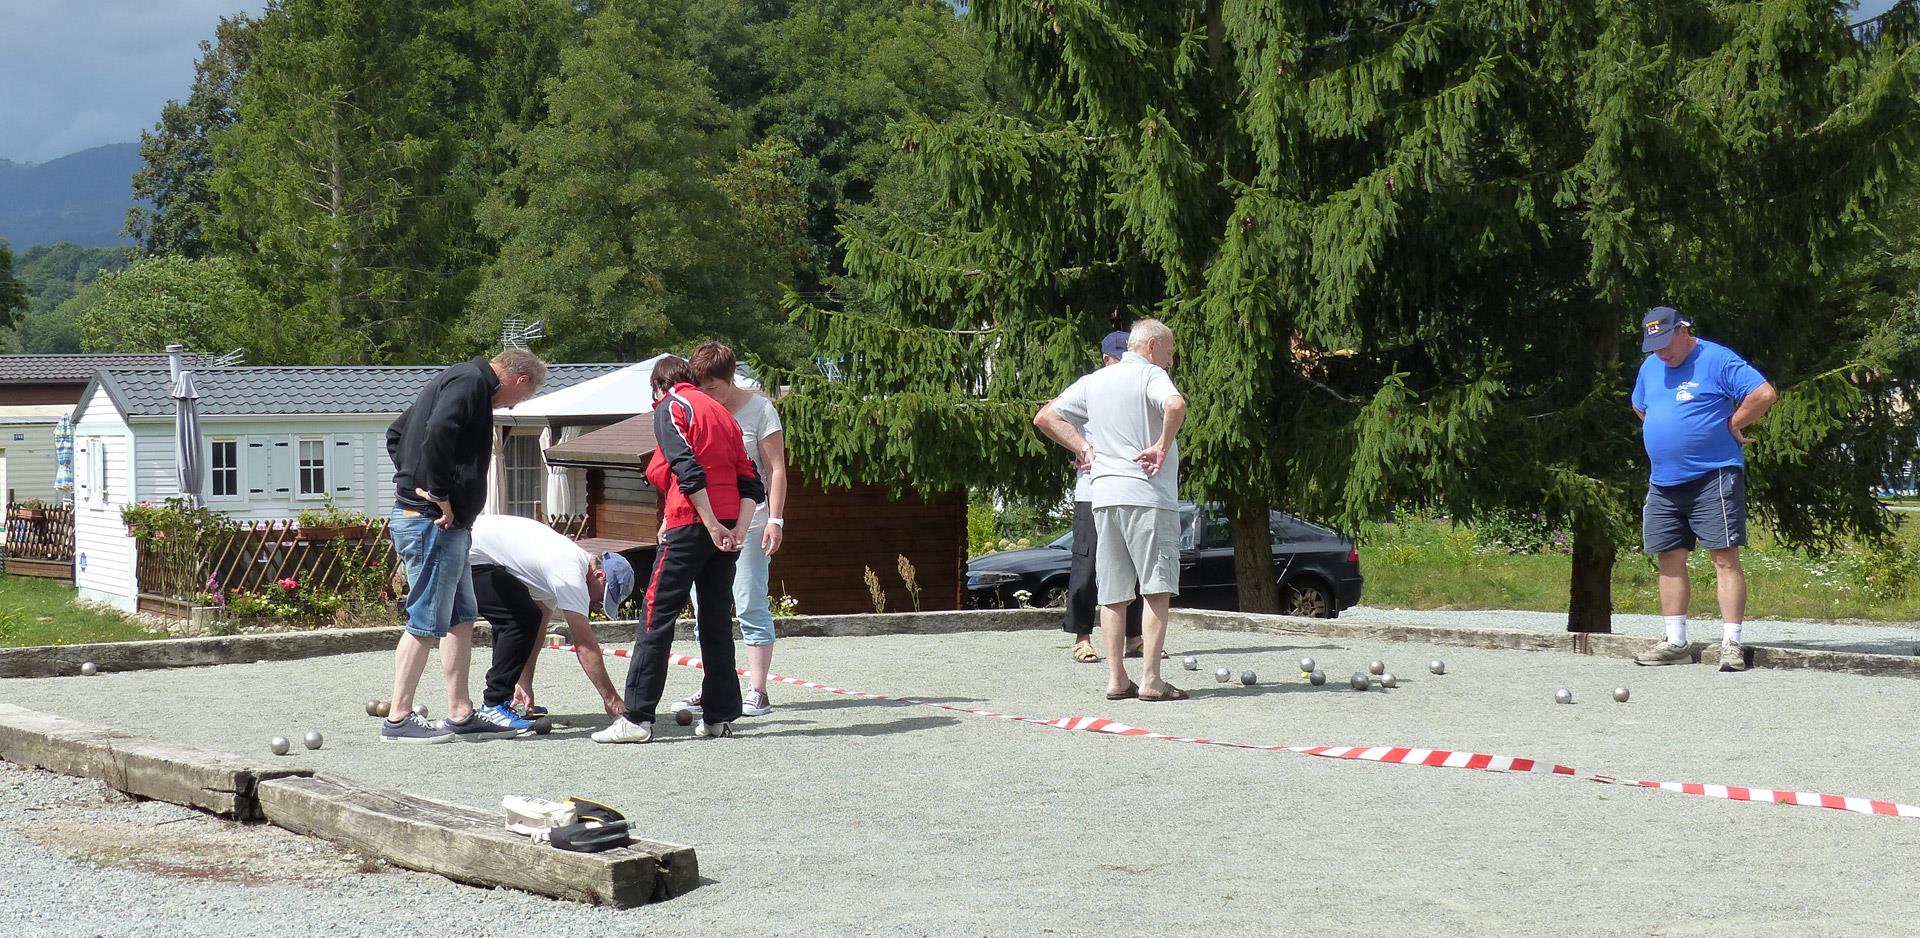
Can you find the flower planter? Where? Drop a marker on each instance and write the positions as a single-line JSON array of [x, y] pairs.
[[325, 532], [30, 514]]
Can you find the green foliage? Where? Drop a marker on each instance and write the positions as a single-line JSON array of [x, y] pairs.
[[43, 612], [59, 279], [176, 522], [983, 533], [175, 179], [330, 516], [1508, 531], [207, 305], [13, 293], [626, 223], [1476, 198]]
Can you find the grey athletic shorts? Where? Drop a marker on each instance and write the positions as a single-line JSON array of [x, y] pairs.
[[1138, 545], [1710, 511]]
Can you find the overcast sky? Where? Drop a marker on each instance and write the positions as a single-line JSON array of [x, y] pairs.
[[81, 73]]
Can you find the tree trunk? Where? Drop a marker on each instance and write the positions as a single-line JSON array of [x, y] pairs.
[[1253, 569], [1590, 599]]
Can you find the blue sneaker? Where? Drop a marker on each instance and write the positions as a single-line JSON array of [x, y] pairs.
[[413, 729], [495, 722]]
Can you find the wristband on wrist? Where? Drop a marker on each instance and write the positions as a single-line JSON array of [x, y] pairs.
[[779, 521]]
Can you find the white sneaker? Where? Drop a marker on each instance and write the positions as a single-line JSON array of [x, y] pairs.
[[706, 730], [754, 703], [624, 730]]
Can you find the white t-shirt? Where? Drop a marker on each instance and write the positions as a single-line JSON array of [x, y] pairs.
[[758, 420], [1122, 407], [550, 565]]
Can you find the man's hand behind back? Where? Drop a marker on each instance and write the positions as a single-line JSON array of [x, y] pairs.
[[1151, 459]]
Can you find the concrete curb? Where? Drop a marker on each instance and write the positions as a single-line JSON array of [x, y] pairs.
[[62, 660], [1602, 644]]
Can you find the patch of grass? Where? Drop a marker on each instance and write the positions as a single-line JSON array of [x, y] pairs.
[[1424, 563], [42, 612]]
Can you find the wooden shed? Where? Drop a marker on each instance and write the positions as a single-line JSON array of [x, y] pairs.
[[833, 535]]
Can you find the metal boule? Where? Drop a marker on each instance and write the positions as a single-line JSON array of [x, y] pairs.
[[1190, 663], [1563, 695], [1248, 678], [89, 669], [312, 739], [420, 710], [1620, 694], [543, 726], [1307, 666], [1359, 681], [383, 708], [1388, 680], [1437, 666], [683, 717], [1317, 678], [278, 745], [1376, 667], [1222, 675]]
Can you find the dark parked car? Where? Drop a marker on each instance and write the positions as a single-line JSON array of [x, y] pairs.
[[1318, 570]]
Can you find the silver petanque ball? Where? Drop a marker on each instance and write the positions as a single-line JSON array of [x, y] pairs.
[[312, 739], [1358, 681], [1437, 666], [1222, 675], [1388, 680], [278, 745], [1620, 694], [1307, 666], [89, 669], [420, 710], [1376, 667], [1190, 663], [1563, 695], [1317, 678], [1248, 678]]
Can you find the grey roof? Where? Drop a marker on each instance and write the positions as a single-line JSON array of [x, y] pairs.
[[72, 369], [272, 390]]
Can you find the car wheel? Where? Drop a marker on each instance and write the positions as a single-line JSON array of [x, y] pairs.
[[1308, 598], [1054, 595]]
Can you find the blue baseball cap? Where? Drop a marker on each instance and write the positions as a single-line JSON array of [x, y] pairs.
[[619, 582], [1658, 326], [1114, 345]]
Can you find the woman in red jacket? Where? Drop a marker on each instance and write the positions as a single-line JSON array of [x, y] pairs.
[[708, 489]]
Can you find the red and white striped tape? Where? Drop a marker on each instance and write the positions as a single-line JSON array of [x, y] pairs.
[[1396, 755]]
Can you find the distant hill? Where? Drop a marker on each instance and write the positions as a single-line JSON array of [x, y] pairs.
[[82, 197]]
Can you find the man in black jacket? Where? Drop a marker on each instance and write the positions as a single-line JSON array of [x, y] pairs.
[[441, 449]]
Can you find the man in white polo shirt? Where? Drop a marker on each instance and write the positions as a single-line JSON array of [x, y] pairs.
[[1132, 411], [525, 571]]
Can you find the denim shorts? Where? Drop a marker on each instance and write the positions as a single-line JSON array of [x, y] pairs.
[[439, 580], [1710, 511]]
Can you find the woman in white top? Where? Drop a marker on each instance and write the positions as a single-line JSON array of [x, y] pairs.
[[762, 432]]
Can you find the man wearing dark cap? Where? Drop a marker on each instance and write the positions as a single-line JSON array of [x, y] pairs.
[[525, 573], [1083, 608], [1694, 397]]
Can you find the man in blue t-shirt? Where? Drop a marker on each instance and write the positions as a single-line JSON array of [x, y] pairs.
[[1694, 397]]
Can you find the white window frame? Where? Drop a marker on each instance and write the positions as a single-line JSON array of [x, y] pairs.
[[238, 469], [538, 471], [326, 468], [97, 470]]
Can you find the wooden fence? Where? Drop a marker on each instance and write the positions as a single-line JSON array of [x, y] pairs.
[[39, 542], [255, 557]]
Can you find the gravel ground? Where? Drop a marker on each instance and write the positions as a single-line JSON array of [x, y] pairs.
[[1889, 638], [852, 817]]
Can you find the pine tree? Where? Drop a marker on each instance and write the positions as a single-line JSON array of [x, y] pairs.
[[1476, 199], [176, 173], [632, 219]]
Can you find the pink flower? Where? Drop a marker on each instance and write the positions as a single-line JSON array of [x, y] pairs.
[[289, 583]]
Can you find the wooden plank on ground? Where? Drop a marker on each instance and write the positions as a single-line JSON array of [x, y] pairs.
[[40, 569], [471, 845], [186, 775]]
